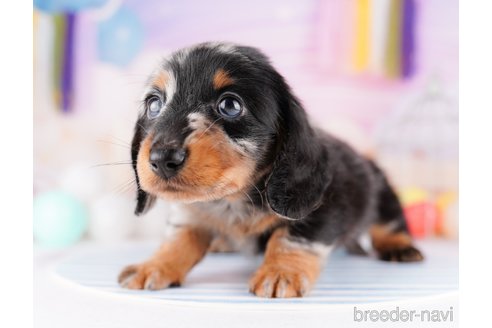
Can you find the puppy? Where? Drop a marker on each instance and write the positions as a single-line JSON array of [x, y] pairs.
[[222, 134]]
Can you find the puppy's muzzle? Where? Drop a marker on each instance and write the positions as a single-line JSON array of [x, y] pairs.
[[166, 162]]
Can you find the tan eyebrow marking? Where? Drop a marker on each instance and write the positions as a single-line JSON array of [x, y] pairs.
[[161, 80], [221, 79]]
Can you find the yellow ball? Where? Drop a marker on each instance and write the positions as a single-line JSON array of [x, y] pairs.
[[446, 199], [412, 195]]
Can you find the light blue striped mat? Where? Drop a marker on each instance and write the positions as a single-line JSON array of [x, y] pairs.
[[222, 279]]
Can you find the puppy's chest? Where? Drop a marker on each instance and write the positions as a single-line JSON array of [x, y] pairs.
[[238, 218]]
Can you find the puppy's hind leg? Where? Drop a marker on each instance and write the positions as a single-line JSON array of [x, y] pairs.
[[390, 237], [353, 247]]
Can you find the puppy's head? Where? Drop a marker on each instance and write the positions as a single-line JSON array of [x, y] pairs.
[[214, 116]]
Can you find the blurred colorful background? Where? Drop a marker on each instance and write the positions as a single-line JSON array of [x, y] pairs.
[[381, 74]]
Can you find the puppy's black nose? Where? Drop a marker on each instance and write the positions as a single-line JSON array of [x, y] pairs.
[[166, 162]]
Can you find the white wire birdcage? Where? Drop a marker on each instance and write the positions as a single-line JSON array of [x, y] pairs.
[[418, 143]]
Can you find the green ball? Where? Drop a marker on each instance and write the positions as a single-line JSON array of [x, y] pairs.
[[59, 219]]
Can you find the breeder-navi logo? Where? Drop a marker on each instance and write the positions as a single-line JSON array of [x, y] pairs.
[[403, 315]]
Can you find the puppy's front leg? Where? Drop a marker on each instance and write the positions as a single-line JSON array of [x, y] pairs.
[[290, 268], [170, 264]]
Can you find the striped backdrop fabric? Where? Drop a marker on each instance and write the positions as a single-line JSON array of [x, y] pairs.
[[221, 279]]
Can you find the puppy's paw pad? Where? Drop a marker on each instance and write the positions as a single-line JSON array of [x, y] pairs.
[[405, 254], [273, 282], [147, 275]]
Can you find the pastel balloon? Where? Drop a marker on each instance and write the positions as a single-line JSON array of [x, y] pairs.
[[59, 219], [120, 38]]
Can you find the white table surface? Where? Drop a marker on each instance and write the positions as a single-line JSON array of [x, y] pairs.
[[76, 287]]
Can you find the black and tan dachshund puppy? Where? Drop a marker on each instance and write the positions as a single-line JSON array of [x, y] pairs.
[[222, 134]]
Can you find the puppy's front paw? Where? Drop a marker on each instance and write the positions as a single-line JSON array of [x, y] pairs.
[[148, 275], [274, 281]]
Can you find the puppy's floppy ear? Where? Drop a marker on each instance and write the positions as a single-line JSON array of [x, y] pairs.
[[144, 200], [300, 173]]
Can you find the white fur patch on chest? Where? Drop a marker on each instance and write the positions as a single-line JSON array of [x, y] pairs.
[[230, 212]]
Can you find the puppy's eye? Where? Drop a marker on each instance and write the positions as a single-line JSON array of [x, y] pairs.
[[230, 107], [154, 107]]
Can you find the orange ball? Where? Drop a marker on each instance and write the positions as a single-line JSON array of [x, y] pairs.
[[422, 218]]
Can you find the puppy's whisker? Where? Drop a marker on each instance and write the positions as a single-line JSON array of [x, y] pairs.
[[113, 143], [125, 186], [259, 192], [120, 140], [111, 164], [117, 187], [251, 201], [146, 131], [207, 129], [224, 184]]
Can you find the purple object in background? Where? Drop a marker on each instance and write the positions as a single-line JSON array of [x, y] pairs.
[[408, 38], [62, 6], [67, 68]]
